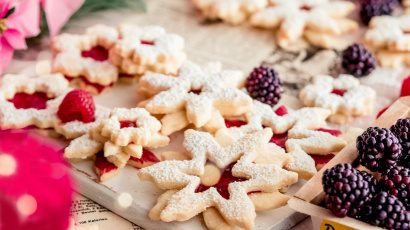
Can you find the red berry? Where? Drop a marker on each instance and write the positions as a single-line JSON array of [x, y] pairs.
[[77, 105]]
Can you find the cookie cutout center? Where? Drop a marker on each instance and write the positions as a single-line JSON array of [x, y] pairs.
[[83, 80], [305, 7], [234, 123], [97, 53], [128, 124], [339, 92], [102, 165], [195, 91], [148, 158], [147, 42], [222, 185], [37, 100], [279, 139]]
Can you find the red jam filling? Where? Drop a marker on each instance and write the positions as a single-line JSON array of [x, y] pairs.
[[147, 158], [281, 111], [322, 159], [223, 183], [99, 88], [128, 124], [102, 165], [332, 132], [405, 87], [305, 7], [98, 53], [37, 100], [147, 42], [234, 123], [279, 139], [339, 92]]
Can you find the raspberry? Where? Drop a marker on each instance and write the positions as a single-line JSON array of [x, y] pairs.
[[396, 181], [372, 8], [358, 61], [77, 105], [264, 85], [386, 211], [402, 131], [347, 189], [378, 149]]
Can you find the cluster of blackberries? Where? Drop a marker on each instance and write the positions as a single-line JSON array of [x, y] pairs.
[[354, 193], [264, 85]]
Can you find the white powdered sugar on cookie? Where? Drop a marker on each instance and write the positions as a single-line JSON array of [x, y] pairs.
[[302, 130], [27, 100], [344, 96], [147, 48], [187, 198], [83, 58], [388, 38], [231, 11], [205, 94], [119, 137], [316, 21]]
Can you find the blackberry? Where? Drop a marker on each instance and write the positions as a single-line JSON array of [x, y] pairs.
[[396, 181], [386, 211], [372, 8], [358, 61], [378, 149], [264, 85], [402, 131], [347, 189]]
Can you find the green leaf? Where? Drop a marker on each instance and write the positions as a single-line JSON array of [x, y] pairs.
[[98, 5]]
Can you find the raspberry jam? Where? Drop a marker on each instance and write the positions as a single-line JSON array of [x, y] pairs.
[[339, 92], [148, 158], [128, 124], [99, 88], [322, 159], [102, 165], [223, 183], [97, 53], [37, 100], [305, 8], [147, 42], [279, 139]]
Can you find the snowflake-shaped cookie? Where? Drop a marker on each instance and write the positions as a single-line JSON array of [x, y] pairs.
[[344, 96], [148, 48], [26, 100], [300, 132], [389, 33], [188, 196], [120, 136], [315, 20], [231, 11], [84, 58], [201, 95]]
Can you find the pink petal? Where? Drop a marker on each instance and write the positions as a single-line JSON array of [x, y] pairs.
[[4, 7], [26, 18], [6, 54], [58, 13], [15, 39]]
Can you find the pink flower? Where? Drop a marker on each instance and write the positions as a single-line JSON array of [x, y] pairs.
[[18, 20]]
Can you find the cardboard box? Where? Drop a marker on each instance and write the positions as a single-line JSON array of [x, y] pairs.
[[306, 200]]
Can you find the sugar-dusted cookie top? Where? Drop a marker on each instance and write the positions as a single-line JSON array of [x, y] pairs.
[[231, 11], [191, 198], [199, 92], [147, 48], [27, 100], [389, 33], [311, 19], [84, 57], [343, 95], [300, 133]]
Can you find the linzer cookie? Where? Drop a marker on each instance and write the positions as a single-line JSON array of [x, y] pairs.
[[302, 133], [198, 96], [318, 22], [388, 38], [83, 58], [120, 139], [231, 11], [222, 182], [344, 96], [147, 48], [30, 101]]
